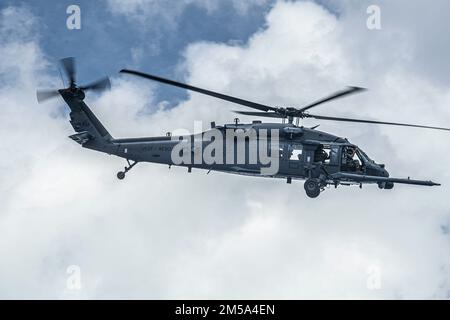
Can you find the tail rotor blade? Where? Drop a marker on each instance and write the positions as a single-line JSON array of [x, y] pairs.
[[68, 65], [44, 95], [99, 85]]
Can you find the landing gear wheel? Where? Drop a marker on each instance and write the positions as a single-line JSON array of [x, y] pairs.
[[121, 174], [312, 188]]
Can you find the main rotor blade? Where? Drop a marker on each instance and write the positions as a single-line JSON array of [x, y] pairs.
[[98, 85], [44, 95], [339, 94], [243, 102], [68, 65], [261, 114], [373, 122]]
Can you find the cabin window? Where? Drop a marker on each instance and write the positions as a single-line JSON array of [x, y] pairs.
[[295, 152]]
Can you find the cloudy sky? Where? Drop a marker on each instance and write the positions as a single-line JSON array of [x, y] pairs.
[[168, 234]]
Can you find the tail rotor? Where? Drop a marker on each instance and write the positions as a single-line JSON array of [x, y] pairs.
[[69, 68]]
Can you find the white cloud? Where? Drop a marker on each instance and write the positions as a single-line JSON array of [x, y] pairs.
[[168, 234]]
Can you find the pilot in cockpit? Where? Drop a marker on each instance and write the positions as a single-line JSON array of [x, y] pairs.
[[350, 161]]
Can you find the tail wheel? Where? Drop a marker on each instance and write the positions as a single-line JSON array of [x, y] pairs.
[[312, 188], [120, 175]]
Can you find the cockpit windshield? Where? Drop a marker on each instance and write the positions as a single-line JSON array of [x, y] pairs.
[[364, 157]]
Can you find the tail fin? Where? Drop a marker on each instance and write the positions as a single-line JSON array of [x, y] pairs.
[[83, 120]]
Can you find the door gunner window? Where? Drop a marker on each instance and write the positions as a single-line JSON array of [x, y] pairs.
[[322, 154]]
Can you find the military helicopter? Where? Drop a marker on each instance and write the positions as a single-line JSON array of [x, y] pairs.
[[320, 158]]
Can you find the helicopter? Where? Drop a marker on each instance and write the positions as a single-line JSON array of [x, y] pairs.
[[320, 158]]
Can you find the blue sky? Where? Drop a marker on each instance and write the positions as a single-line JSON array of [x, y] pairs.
[[104, 43]]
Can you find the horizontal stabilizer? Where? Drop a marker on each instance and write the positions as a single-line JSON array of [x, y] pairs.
[[81, 137]]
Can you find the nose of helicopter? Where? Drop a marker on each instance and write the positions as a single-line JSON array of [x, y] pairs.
[[382, 172]]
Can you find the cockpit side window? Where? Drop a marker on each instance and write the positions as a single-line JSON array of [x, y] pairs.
[[351, 159]]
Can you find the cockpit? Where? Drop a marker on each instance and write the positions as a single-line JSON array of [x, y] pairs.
[[336, 157], [350, 160], [354, 159], [348, 156]]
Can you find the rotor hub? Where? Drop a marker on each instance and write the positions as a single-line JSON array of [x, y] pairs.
[[69, 70]]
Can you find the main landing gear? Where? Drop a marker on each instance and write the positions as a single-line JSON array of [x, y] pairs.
[[121, 174], [312, 187]]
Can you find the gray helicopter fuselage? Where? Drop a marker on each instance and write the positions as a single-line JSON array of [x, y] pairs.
[[295, 159]]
